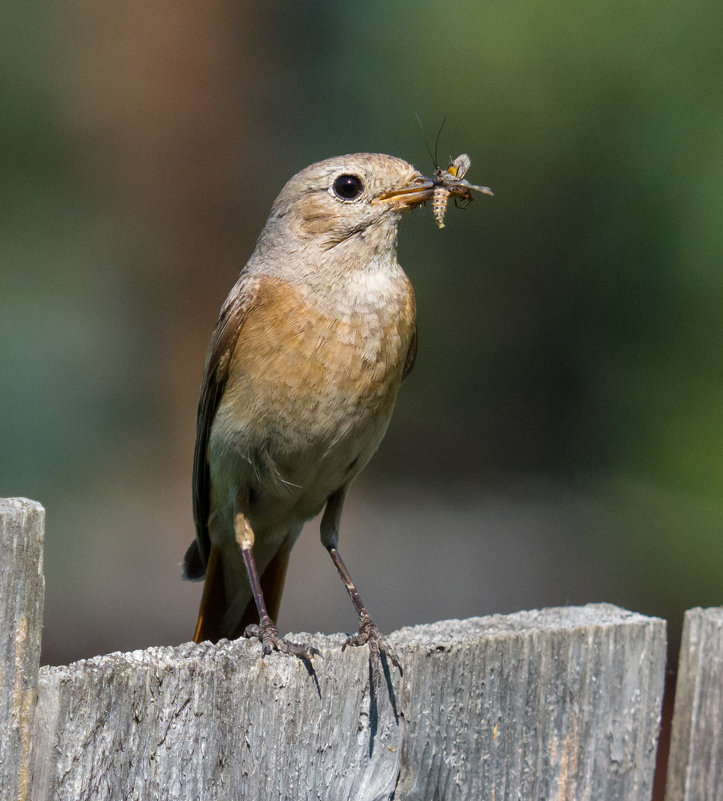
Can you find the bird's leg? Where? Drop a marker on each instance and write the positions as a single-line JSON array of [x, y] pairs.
[[368, 632], [265, 630]]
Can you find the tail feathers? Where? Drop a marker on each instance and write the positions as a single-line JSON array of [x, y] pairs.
[[193, 567], [225, 584], [227, 605]]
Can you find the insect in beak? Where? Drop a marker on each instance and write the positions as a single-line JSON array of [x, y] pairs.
[[452, 183]]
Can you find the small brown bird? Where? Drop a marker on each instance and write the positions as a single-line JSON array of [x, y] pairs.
[[305, 363]]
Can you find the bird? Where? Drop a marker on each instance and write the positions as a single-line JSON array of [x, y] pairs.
[[301, 377]]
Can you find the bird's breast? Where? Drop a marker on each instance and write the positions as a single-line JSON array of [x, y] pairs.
[[313, 380]]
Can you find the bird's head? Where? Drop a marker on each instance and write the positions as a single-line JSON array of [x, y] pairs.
[[355, 200]]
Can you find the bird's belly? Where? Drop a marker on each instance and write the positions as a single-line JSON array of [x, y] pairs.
[[289, 466]]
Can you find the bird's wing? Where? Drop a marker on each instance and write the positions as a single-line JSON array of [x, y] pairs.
[[215, 375], [411, 355]]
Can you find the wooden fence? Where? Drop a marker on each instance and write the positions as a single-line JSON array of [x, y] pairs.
[[550, 704]]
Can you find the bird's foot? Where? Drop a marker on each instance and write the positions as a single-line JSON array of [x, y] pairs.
[[370, 635], [267, 633]]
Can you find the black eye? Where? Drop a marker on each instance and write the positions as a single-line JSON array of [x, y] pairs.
[[348, 187]]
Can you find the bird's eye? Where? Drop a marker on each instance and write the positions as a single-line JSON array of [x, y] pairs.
[[348, 187]]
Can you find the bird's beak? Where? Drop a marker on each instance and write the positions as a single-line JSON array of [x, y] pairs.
[[417, 191]]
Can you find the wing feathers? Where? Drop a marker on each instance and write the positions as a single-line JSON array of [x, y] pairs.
[[215, 375]]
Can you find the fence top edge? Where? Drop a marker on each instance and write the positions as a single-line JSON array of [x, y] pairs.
[[19, 504], [709, 612], [547, 619], [433, 636]]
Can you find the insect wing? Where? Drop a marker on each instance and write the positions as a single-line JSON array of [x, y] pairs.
[[461, 164]]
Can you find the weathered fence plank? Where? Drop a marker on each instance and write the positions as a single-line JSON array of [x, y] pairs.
[[695, 765], [21, 609], [557, 703]]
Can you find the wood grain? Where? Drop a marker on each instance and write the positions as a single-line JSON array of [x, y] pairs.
[[21, 609], [553, 704], [695, 765]]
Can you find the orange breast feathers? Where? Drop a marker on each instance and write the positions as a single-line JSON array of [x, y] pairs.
[[295, 359]]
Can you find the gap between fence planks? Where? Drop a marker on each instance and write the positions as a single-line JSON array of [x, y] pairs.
[[555, 703]]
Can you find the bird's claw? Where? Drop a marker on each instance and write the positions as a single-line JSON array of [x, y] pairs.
[[267, 633], [370, 635]]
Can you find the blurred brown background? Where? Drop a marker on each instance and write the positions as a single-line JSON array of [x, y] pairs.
[[561, 438]]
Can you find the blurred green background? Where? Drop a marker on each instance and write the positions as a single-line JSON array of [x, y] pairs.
[[561, 438]]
